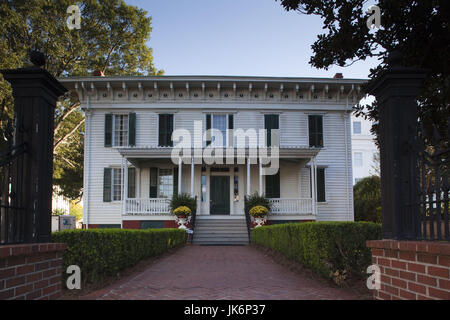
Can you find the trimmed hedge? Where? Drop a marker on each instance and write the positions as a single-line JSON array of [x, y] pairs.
[[102, 253], [331, 249]]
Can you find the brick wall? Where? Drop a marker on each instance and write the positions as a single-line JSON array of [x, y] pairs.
[[31, 271], [412, 270]]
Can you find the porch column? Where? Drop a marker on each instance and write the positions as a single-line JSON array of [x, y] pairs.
[[192, 177], [248, 176], [260, 178], [180, 174], [313, 186], [124, 184]]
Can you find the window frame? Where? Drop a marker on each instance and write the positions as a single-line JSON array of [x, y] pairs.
[[229, 138], [114, 129], [360, 127], [169, 143], [323, 130]]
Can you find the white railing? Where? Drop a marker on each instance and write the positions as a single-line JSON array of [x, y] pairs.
[[147, 206], [291, 206]]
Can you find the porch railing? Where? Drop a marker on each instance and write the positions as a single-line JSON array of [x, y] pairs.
[[291, 206], [147, 206]]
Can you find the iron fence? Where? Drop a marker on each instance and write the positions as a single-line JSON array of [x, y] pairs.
[[433, 195]]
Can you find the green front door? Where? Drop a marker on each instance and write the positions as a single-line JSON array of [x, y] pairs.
[[220, 195]]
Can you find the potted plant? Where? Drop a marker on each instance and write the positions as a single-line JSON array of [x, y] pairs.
[[259, 214], [183, 206], [183, 213], [258, 207]]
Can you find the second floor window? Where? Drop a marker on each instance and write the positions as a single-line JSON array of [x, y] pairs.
[[120, 130], [222, 123], [271, 122], [315, 131], [165, 130], [357, 127]]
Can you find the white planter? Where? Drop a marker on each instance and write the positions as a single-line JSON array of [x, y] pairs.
[[182, 222], [260, 222]]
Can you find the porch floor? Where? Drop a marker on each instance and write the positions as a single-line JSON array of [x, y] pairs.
[[220, 273]]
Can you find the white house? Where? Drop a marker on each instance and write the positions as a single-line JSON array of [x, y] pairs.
[[129, 127], [364, 149]]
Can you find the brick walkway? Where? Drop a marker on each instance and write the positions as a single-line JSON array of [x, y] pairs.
[[215, 273]]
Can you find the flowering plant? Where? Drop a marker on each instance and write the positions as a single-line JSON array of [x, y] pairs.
[[259, 211], [182, 211]]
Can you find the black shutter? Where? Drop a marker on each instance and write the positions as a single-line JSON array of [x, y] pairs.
[[132, 129], [315, 131], [273, 186], [321, 185], [131, 183], [230, 130], [208, 127], [271, 122], [108, 130], [165, 130], [153, 193], [175, 181], [107, 179]]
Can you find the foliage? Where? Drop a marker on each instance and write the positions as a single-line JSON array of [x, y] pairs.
[[180, 200], [418, 30], [76, 210], [182, 211], [103, 253], [259, 211], [367, 199], [334, 250], [58, 212], [256, 200], [113, 38]]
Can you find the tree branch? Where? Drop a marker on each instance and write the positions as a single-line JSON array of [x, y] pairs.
[[68, 135]]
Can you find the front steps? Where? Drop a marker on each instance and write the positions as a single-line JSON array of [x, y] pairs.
[[220, 231]]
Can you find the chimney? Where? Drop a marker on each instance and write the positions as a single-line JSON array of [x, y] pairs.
[[98, 73], [338, 76]]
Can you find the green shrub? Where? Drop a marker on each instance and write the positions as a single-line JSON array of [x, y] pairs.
[[328, 248], [367, 195], [180, 200], [256, 200], [103, 253]]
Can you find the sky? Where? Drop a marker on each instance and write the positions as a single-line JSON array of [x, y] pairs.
[[238, 38]]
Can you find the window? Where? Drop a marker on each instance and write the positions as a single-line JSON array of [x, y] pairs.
[[203, 190], [224, 124], [357, 127], [315, 131], [358, 159], [236, 188], [131, 183], [165, 130], [163, 183], [320, 188], [273, 186], [120, 130], [112, 184], [271, 122]]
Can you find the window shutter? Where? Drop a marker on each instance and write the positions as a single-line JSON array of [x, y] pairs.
[[315, 131], [230, 130], [131, 183], [321, 185], [165, 130], [271, 122], [132, 129], [108, 130], [208, 127], [175, 181], [153, 183], [107, 180], [169, 130]]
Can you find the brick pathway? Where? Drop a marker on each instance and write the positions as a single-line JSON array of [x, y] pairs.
[[216, 273]]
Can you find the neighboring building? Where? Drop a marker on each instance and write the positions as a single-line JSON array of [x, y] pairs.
[[364, 150], [130, 121], [60, 204]]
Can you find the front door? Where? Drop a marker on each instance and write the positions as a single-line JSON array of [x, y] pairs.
[[220, 195]]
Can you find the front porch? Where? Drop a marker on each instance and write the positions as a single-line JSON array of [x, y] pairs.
[[220, 189]]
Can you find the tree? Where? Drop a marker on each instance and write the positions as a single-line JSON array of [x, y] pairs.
[[113, 39], [367, 199], [419, 30]]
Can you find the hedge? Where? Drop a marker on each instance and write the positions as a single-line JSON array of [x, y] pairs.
[[103, 253], [328, 248]]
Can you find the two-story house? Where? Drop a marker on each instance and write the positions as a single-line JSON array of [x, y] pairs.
[[133, 125]]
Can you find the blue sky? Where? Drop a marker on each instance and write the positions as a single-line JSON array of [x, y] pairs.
[[236, 37]]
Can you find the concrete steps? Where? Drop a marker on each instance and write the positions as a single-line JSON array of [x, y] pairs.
[[220, 232]]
